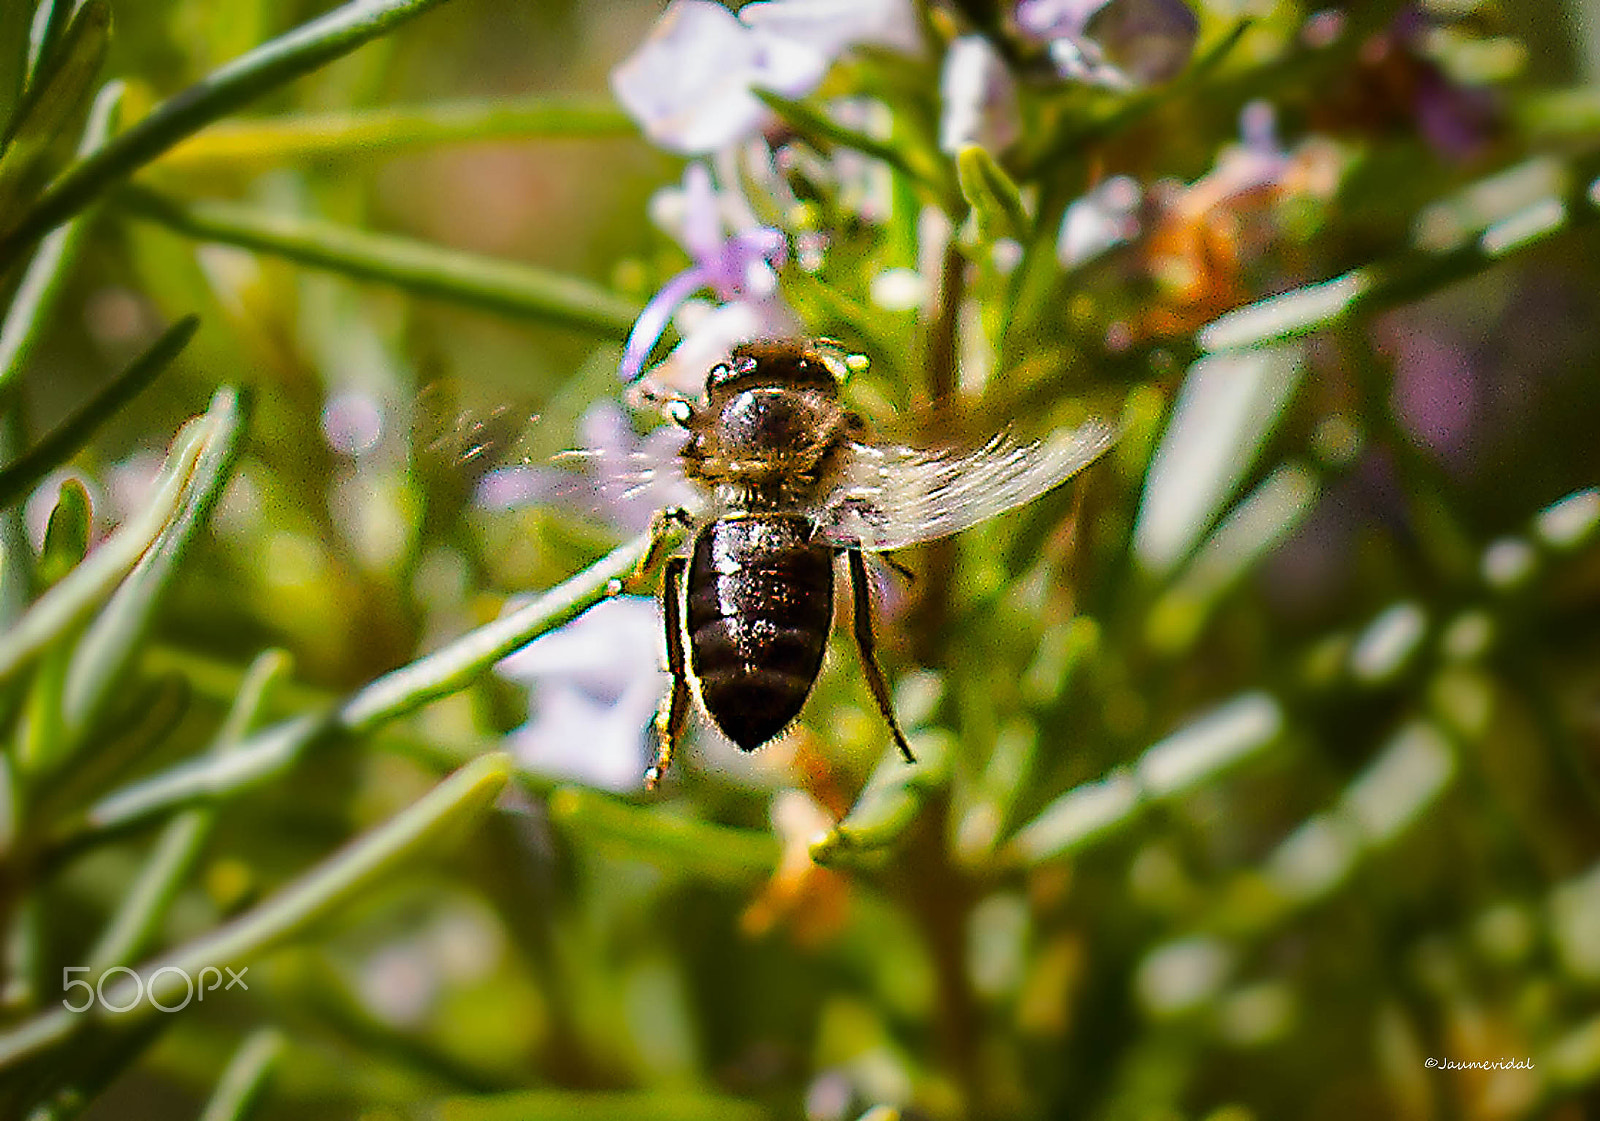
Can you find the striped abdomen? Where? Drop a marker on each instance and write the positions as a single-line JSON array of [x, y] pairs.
[[760, 604]]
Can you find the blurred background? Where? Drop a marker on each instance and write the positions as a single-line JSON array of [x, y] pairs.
[[1261, 765]]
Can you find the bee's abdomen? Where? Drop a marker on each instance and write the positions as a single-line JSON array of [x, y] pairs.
[[760, 603]]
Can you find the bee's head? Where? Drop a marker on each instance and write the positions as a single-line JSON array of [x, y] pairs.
[[774, 402], [788, 363]]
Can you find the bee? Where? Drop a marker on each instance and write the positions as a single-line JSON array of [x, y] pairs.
[[788, 482]]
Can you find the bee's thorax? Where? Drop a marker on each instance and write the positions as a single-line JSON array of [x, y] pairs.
[[767, 446]]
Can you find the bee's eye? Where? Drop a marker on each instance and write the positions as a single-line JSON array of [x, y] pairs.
[[679, 412]]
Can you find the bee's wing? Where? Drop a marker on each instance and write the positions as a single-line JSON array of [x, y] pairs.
[[892, 497], [621, 479]]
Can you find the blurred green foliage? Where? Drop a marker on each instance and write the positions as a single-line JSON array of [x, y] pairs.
[[1258, 770]]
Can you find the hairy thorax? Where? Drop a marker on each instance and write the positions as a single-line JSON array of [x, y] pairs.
[[767, 446]]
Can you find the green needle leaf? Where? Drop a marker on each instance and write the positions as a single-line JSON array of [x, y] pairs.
[[993, 195], [1197, 753], [657, 836], [30, 305], [508, 287], [1229, 406], [61, 89], [363, 133], [1251, 530], [889, 803], [183, 838], [66, 540], [216, 95], [49, 20], [19, 331], [451, 667], [569, 1105], [1408, 276], [66, 536], [417, 831], [111, 642], [270, 751], [21, 475], [245, 1075], [74, 597]]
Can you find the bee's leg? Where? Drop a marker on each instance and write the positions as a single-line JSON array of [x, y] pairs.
[[904, 570], [661, 523], [674, 711], [861, 595]]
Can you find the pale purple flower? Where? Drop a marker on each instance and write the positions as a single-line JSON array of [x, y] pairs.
[[739, 265], [1118, 44], [131, 482], [978, 97], [399, 983], [1437, 391], [595, 686], [690, 84], [1457, 120], [522, 484], [352, 423]]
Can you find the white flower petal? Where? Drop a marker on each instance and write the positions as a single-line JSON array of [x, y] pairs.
[[785, 66], [596, 683], [978, 96], [1082, 60], [573, 736], [1056, 19], [601, 651], [688, 85], [712, 336], [1105, 217], [829, 26], [702, 224]]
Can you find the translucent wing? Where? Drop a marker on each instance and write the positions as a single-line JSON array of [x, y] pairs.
[[892, 497], [619, 477]]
